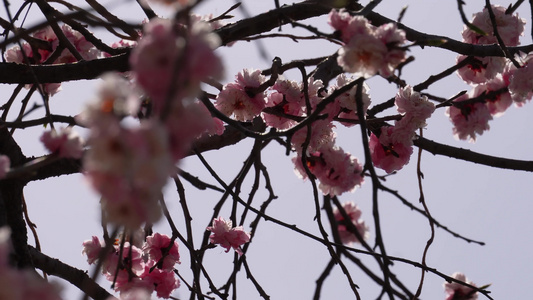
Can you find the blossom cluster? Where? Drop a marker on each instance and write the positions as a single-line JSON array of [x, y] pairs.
[[368, 50], [227, 236], [66, 143], [391, 149], [40, 53], [497, 82], [345, 233], [129, 161], [456, 291], [149, 266], [16, 284], [287, 102]]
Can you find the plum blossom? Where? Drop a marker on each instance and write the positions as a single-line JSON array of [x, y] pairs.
[[288, 96], [337, 171], [5, 165], [185, 123], [348, 25], [500, 101], [392, 149], [481, 69], [165, 43], [92, 249], [227, 236], [456, 291], [129, 167], [164, 282], [354, 214], [469, 119], [367, 50], [154, 247], [322, 135], [345, 105], [132, 273], [236, 98], [520, 80], [66, 143], [116, 99], [416, 109], [43, 53], [133, 294], [510, 27]]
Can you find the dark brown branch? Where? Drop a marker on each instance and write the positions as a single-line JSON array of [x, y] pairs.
[[19, 73], [471, 156], [77, 277]]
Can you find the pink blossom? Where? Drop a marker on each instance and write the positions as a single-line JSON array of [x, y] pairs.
[[131, 260], [121, 44], [92, 249], [346, 107], [510, 27], [456, 291], [414, 107], [278, 101], [162, 46], [364, 56], [354, 214], [84, 47], [368, 50], [5, 165], [227, 237], [337, 171], [498, 103], [521, 82], [185, 123], [469, 119], [129, 167], [163, 281], [116, 98], [391, 150], [154, 58], [154, 247], [66, 143], [133, 294], [322, 135], [348, 25], [481, 70], [393, 38], [235, 98]]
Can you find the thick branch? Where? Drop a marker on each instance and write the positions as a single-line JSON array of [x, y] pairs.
[[20, 73], [478, 158], [77, 277]]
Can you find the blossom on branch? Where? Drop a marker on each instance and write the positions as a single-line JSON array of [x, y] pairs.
[[392, 149], [156, 246], [239, 99], [456, 291], [227, 236], [137, 269], [337, 171], [509, 26], [66, 143], [469, 119], [354, 215], [171, 56], [368, 50], [345, 105]]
